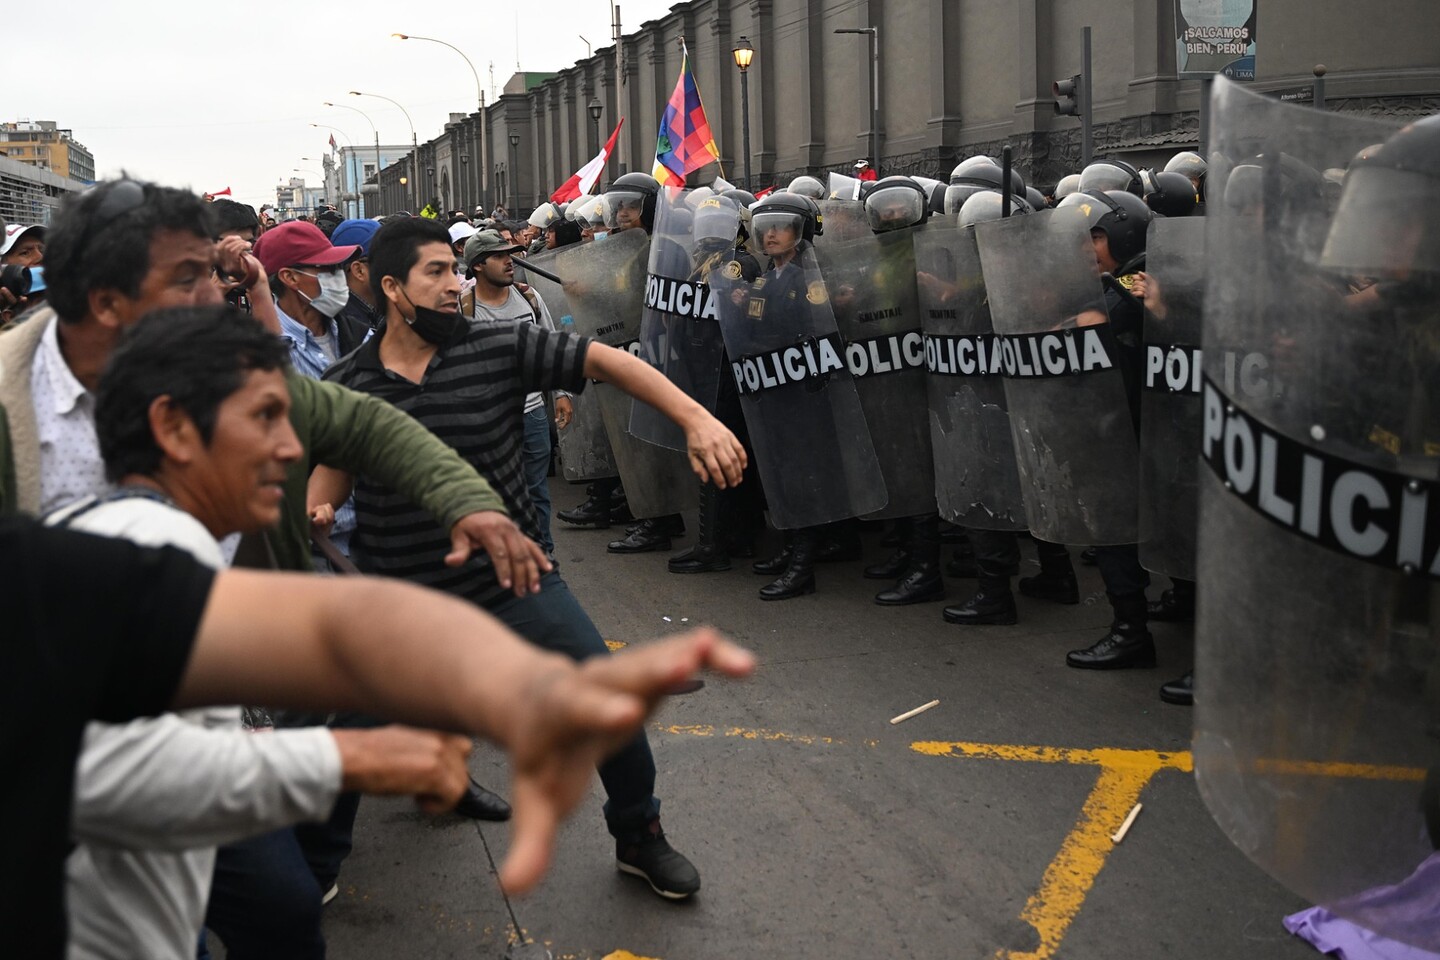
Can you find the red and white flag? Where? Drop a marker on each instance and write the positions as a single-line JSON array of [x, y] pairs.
[[584, 179], [332, 142], [765, 193]]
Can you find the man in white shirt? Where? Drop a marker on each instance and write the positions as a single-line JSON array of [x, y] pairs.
[[192, 421]]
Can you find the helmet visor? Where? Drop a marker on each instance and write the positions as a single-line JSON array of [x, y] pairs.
[[624, 208], [894, 208], [776, 231], [1383, 227]]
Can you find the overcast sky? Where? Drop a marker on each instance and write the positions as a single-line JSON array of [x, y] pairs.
[[210, 95]]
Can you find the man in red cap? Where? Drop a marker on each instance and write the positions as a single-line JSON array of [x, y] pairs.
[[308, 281]]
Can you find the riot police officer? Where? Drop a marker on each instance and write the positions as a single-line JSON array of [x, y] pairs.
[[1118, 220]]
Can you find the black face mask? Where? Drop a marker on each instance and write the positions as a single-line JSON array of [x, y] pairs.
[[434, 326]]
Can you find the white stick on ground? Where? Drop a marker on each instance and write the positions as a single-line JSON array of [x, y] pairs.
[[918, 710], [1119, 835]]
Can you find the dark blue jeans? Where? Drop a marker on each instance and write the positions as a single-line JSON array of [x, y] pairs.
[[265, 902], [536, 458], [553, 619]]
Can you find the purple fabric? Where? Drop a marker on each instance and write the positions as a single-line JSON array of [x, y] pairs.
[[1409, 910]]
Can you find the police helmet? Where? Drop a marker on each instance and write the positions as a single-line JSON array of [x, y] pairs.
[[743, 198], [785, 209], [963, 168], [544, 215], [1103, 175], [716, 220], [974, 175], [573, 208], [807, 187], [1189, 164], [1036, 199], [989, 205], [633, 191], [1171, 195], [1119, 214], [894, 203], [1385, 224], [1068, 184], [693, 198]]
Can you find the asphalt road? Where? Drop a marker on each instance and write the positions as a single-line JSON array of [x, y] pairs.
[[821, 830]]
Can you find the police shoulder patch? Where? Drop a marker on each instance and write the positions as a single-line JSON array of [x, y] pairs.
[[817, 292], [1127, 281], [757, 308], [732, 270]]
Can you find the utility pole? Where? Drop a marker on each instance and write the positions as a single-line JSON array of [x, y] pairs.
[[622, 152]]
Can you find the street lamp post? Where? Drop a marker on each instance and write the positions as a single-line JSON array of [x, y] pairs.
[[479, 98], [595, 108], [515, 170], [414, 147], [317, 173], [373, 129], [744, 54], [874, 33]]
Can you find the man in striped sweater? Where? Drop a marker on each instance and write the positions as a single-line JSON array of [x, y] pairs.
[[468, 383]]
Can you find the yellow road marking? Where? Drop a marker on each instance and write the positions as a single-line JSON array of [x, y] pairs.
[[1360, 771], [1069, 877], [748, 733], [625, 955], [616, 645]]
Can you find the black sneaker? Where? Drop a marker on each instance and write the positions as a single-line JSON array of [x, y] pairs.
[[666, 869]]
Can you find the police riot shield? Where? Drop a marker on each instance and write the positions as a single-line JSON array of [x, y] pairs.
[[877, 309], [605, 284], [585, 452], [977, 481], [1317, 718], [811, 444], [842, 187], [1069, 412], [843, 220], [1170, 396], [679, 325]]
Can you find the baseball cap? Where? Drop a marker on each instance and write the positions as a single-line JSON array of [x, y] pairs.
[[861, 163], [460, 230], [15, 231], [486, 242], [296, 243], [355, 232]]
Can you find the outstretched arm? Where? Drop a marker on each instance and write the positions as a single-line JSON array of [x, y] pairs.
[[425, 658], [716, 455]]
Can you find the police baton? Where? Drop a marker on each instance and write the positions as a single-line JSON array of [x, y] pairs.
[[524, 264]]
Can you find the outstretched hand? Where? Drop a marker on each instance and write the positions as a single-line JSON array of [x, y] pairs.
[[716, 455], [519, 561], [578, 716]]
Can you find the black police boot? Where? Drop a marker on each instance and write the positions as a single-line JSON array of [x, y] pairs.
[[1180, 692], [1057, 588], [993, 604], [799, 577], [776, 565], [1056, 581], [889, 568], [648, 535], [1176, 605], [838, 542], [922, 581], [895, 534], [953, 534], [962, 562], [1127, 645], [477, 803], [620, 507], [595, 511], [707, 556]]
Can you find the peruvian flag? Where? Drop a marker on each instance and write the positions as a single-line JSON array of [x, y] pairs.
[[218, 193], [332, 142], [583, 180]]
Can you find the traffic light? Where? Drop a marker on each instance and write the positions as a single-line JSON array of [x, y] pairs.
[[1067, 96]]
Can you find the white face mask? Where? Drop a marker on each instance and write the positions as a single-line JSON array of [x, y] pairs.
[[334, 292]]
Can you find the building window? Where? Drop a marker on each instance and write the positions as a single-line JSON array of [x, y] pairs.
[[369, 170]]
